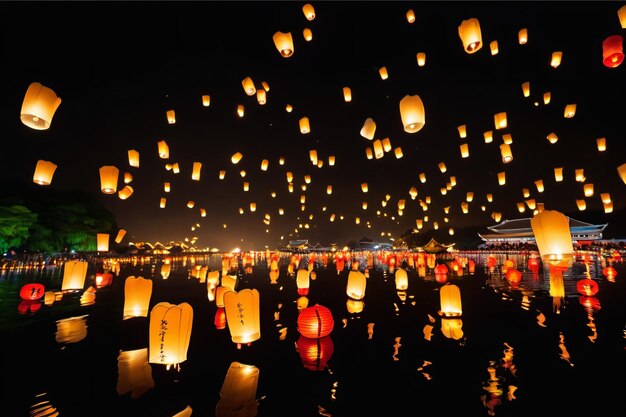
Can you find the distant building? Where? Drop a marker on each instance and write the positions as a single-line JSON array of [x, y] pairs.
[[520, 231], [368, 244]]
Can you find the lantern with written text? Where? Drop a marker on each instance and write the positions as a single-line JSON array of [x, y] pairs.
[[32, 291], [243, 315], [170, 332]]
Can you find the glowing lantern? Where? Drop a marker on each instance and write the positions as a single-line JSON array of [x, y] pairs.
[[612, 53], [601, 143], [521, 207], [162, 202], [526, 89], [102, 242], [242, 315], [261, 96], [587, 287], [382, 71], [421, 59], [513, 276], [368, 129], [309, 11], [315, 352], [164, 150], [236, 157], [469, 196], [238, 392], [315, 322], [108, 179], [488, 136], [302, 281], [570, 111], [501, 178], [171, 117], [120, 235], [450, 300], [170, 332], [284, 43], [588, 189], [552, 138], [500, 121], [89, 296], [621, 14], [206, 100], [558, 174], [522, 36], [355, 287], [32, 291], [71, 330], [609, 272], [134, 373], [505, 152], [442, 167], [464, 150], [462, 131], [165, 270], [412, 113], [331, 160], [248, 86], [305, 126], [539, 185], [581, 204], [240, 110], [364, 187], [452, 328], [39, 105], [401, 279], [44, 172], [493, 46], [553, 236], [308, 34], [410, 16], [128, 178], [422, 177], [137, 293], [469, 32], [49, 298]]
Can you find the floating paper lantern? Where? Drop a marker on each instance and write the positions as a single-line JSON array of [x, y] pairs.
[[469, 32], [284, 43], [412, 113], [305, 127], [462, 131], [410, 16], [170, 332], [39, 105], [612, 52], [368, 129], [44, 172], [125, 192], [32, 291], [546, 98], [236, 157], [493, 46], [134, 373], [539, 185], [521, 207], [102, 240], [206, 100], [507, 139], [500, 120], [442, 167], [379, 151], [421, 59], [108, 179], [588, 190], [128, 178], [133, 158], [164, 150], [552, 234], [505, 152], [558, 174], [501, 178], [601, 144], [331, 160], [488, 136], [570, 111], [579, 175], [120, 235], [382, 71], [195, 173], [261, 96], [137, 293], [355, 287], [248, 86], [581, 204], [522, 36], [401, 280], [243, 315], [621, 14], [171, 117], [450, 300], [315, 322], [464, 148], [238, 392], [71, 330], [309, 11], [162, 202], [307, 34], [552, 138], [240, 110], [398, 152], [526, 89], [469, 196]]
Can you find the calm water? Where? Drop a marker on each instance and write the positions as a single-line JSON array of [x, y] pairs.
[[512, 352]]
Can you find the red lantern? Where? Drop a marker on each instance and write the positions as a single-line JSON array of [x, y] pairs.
[[533, 265], [441, 269], [513, 276], [590, 302], [441, 278], [612, 53], [471, 266], [303, 291], [491, 262], [28, 305], [315, 352], [315, 322], [454, 265], [609, 272], [102, 280], [587, 287], [340, 265], [220, 318], [32, 291], [508, 264]]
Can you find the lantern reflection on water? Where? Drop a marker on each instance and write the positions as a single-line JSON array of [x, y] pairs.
[[71, 330], [315, 352], [238, 392], [32, 291], [134, 373], [452, 328]]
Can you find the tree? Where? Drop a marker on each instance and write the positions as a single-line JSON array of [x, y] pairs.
[[15, 224]]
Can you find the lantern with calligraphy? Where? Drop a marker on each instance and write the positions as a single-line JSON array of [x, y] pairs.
[[44, 172], [137, 293], [74, 273], [450, 300], [243, 315], [355, 287], [39, 105], [470, 34], [315, 322], [170, 332]]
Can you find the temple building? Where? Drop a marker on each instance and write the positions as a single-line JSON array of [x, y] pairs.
[[519, 231]]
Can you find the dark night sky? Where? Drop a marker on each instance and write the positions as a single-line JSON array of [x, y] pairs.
[[119, 66]]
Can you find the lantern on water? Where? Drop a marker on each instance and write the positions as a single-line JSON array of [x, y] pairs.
[[612, 52], [570, 111], [440, 269], [170, 332], [552, 234], [164, 149], [588, 190], [74, 273], [137, 293], [305, 126], [452, 328], [32, 291], [238, 392], [556, 59], [243, 315], [303, 281], [71, 330], [505, 152], [355, 287], [133, 158], [450, 300], [284, 43], [39, 105], [513, 276], [44, 172], [165, 270], [412, 113], [587, 286], [469, 32], [134, 373], [108, 179], [401, 279], [315, 322], [171, 117]]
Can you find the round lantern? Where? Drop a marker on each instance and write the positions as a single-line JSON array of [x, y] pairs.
[[513, 276], [315, 322], [612, 53], [315, 352], [587, 287], [441, 269], [32, 291]]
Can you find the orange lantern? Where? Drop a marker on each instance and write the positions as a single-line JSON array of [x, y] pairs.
[[39, 105], [612, 52], [133, 158], [108, 179], [74, 273], [32, 291], [315, 352], [469, 32], [170, 332], [412, 113], [171, 117], [355, 287], [315, 322], [450, 300], [284, 43], [44, 172], [242, 315], [309, 11], [137, 293], [513, 276]]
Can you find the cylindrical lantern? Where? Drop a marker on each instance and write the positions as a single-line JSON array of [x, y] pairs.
[[621, 14], [558, 174], [103, 242], [412, 113], [556, 59], [488, 136], [505, 152], [450, 300], [243, 315], [261, 96], [305, 126], [164, 149], [501, 178], [206, 100], [522, 36], [195, 173], [284, 43], [264, 164], [588, 190], [421, 59], [171, 117], [526, 89], [462, 131], [601, 143], [39, 105], [612, 52], [500, 120], [133, 158], [128, 178], [382, 71], [137, 293], [120, 235], [302, 281], [410, 16], [355, 287], [236, 157], [162, 202], [570, 111], [134, 373], [552, 234], [170, 332], [248, 86], [581, 204], [493, 46], [469, 32], [108, 179], [44, 172], [315, 322], [464, 150], [401, 279]]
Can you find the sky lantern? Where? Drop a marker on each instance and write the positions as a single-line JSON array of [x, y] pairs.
[[288, 108], [102, 241], [356, 284], [501, 178], [410, 16], [412, 113], [521, 207], [162, 202], [120, 235], [422, 177], [579, 175], [546, 98], [171, 117], [421, 59], [243, 315], [309, 11], [206, 100], [133, 158], [307, 34], [552, 138], [556, 59], [222, 174], [505, 152], [612, 52], [601, 144], [128, 178], [264, 164], [526, 89], [108, 179], [621, 170], [248, 86], [305, 127], [166, 267], [500, 121], [462, 131], [39, 105], [236, 157], [539, 185], [347, 94], [386, 144], [450, 300], [493, 46], [329, 189], [552, 234], [164, 150], [605, 197], [125, 192], [413, 193], [44, 170], [488, 136], [507, 138], [522, 36], [442, 167], [169, 333], [558, 174], [240, 110], [570, 111], [261, 96], [621, 14], [191, 204], [137, 293], [608, 206], [469, 32], [74, 273], [398, 152], [175, 168], [469, 196], [464, 148], [195, 174], [246, 186], [588, 190], [368, 129], [331, 160], [284, 43], [315, 321], [382, 71]]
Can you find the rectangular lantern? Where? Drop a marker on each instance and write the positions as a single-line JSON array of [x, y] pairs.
[[137, 293], [464, 150], [401, 279], [120, 235], [102, 240], [501, 178], [539, 185], [601, 143], [570, 111], [163, 202], [347, 94], [505, 152], [450, 300], [558, 174], [552, 235], [206, 100], [462, 131], [493, 46], [74, 273], [195, 173], [500, 120], [171, 117], [108, 179], [133, 158], [170, 332], [488, 136], [556, 59], [588, 190], [305, 126], [243, 315], [526, 89], [44, 172]]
